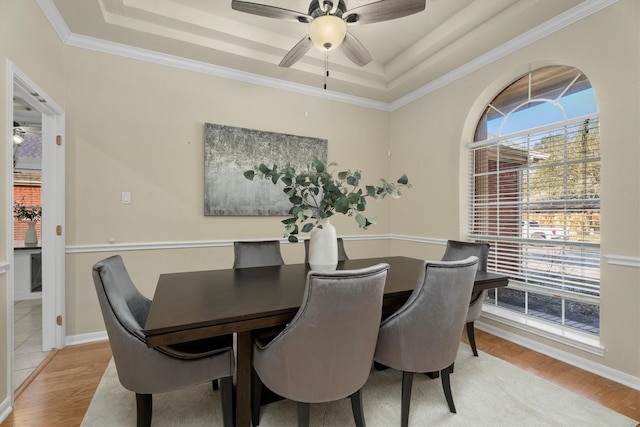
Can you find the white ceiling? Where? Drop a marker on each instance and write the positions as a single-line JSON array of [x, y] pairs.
[[24, 113], [409, 53]]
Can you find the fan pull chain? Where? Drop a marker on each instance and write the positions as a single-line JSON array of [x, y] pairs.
[[326, 69]]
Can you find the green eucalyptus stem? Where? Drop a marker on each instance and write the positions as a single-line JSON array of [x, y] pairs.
[[315, 194]]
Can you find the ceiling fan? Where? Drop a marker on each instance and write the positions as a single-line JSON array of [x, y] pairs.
[[20, 131], [328, 22]]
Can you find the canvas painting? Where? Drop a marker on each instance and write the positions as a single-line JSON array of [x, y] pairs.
[[229, 151]]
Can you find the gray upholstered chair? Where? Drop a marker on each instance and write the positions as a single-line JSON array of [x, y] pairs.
[[342, 254], [460, 250], [147, 371], [257, 254], [424, 334], [326, 352]]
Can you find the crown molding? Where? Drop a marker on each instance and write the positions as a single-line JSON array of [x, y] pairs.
[[146, 55], [55, 19], [551, 26], [584, 9]]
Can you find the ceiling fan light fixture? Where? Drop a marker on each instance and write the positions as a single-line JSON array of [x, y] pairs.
[[17, 138], [327, 32]]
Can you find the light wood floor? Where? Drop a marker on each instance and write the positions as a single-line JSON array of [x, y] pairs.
[[60, 392]]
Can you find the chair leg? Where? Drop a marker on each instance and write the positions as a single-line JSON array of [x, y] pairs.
[[379, 366], [356, 407], [446, 386], [407, 382], [303, 414], [472, 338], [256, 397], [226, 385], [144, 408]]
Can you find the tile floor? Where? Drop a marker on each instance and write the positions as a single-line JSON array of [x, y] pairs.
[[27, 339]]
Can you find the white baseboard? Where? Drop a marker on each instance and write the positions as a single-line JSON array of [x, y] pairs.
[[573, 360], [5, 409], [86, 338]]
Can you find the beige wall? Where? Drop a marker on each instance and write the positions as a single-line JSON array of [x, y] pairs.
[[137, 127], [429, 143], [141, 130], [38, 53]]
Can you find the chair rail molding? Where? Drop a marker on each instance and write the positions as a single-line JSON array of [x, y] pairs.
[[625, 261], [419, 239], [78, 249]]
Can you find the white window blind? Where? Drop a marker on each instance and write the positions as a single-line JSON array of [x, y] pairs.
[[535, 197]]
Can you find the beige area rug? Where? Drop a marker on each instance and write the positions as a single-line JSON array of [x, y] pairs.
[[487, 392]]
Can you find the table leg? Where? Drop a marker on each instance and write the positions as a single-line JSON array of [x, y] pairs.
[[243, 380]]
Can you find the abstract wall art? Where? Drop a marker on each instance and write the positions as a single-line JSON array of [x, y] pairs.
[[229, 151]]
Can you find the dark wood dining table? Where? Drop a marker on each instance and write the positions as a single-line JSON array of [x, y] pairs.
[[198, 304]]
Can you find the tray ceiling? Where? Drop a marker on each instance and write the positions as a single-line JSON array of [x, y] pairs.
[[408, 53]]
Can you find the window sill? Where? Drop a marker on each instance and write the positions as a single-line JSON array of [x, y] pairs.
[[552, 331]]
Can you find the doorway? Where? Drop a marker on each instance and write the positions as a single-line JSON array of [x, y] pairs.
[[51, 240], [28, 351]]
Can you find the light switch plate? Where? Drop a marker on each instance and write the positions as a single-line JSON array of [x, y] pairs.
[[126, 198]]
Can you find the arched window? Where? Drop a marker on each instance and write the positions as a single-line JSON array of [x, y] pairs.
[[535, 198]]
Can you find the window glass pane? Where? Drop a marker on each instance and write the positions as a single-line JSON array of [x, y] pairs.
[[583, 316], [26, 192], [550, 82], [531, 115], [540, 98], [511, 299], [545, 307], [579, 103], [512, 96]]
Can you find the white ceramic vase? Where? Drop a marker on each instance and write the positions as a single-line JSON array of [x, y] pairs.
[[31, 236], [323, 247]]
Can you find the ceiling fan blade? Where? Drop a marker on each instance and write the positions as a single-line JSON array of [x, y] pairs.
[[28, 129], [298, 51], [383, 10], [270, 11], [355, 50]]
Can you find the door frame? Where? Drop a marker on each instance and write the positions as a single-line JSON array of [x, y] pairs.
[[53, 198]]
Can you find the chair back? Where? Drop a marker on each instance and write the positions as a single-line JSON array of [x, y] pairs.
[[326, 351], [424, 334], [147, 371], [457, 251], [122, 300], [124, 310], [342, 254], [257, 254]]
